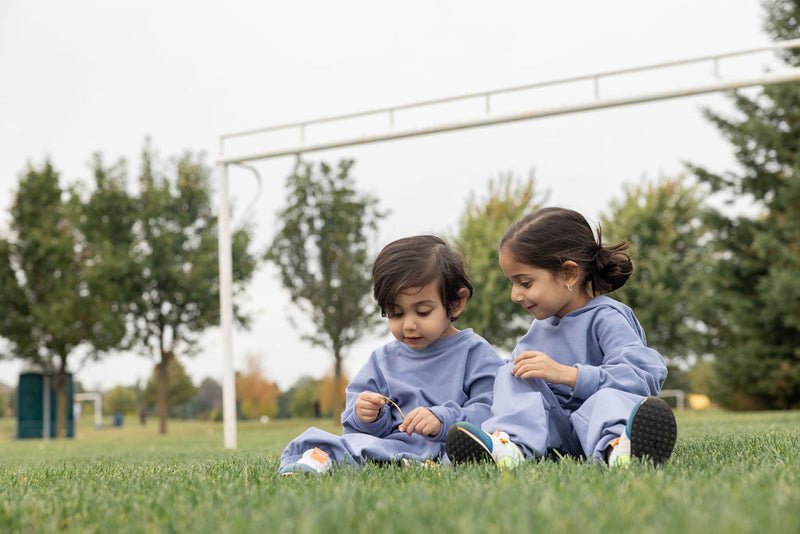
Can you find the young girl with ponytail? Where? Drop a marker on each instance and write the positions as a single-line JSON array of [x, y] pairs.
[[582, 381]]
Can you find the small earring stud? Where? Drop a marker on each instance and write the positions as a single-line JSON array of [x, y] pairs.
[[569, 288]]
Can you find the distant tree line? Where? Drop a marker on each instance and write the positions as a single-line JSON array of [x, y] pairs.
[[256, 396]]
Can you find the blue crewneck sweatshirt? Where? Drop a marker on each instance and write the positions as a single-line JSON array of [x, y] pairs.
[[605, 342], [453, 377]]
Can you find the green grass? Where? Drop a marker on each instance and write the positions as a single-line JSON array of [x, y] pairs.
[[729, 473]]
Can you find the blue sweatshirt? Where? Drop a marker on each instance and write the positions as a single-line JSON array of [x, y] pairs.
[[607, 345], [453, 377]]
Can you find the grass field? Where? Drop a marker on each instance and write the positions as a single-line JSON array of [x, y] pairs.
[[729, 473]]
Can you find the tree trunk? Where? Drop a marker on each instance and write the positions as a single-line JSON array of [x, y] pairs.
[[338, 401], [163, 392], [61, 400]]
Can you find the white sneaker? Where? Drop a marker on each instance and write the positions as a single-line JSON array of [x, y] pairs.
[[506, 453], [314, 461], [650, 434], [466, 442]]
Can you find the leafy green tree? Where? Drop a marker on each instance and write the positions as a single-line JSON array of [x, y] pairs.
[[120, 399], [208, 398], [46, 280], [322, 252], [304, 397], [490, 312], [181, 389], [664, 222], [756, 303], [106, 219], [165, 274]]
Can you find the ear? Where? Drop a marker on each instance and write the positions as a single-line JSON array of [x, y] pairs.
[[458, 306], [571, 272]]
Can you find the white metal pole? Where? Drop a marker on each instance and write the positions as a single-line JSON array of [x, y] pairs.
[[226, 311]]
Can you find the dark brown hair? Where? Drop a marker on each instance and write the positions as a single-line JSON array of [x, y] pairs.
[[550, 236], [416, 262]]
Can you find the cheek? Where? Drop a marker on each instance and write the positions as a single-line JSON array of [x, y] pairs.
[[395, 326]]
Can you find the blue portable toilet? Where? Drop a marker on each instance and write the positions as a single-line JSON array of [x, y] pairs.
[[37, 404]]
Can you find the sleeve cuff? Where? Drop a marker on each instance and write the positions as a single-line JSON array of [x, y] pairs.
[[587, 383], [443, 414], [375, 428]]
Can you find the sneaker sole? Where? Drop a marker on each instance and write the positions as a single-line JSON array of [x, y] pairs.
[[463, 446], [652, 430], [298, 469]]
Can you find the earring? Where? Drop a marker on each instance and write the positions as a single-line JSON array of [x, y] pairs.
[[569, 288]]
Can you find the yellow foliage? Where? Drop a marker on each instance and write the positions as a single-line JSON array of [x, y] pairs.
[[326, 393], [698, 402], [257, 394]]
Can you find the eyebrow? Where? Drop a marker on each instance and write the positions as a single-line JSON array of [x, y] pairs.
[[428, 302]]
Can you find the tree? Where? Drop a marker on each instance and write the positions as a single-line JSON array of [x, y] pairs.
[[258, 395], [664, 222], [120, 399], [181, 389], [756, 304], [490, 312], [322, 252], [304, 398], [326, 394], [208, 399], [47, 276], [167, 277]]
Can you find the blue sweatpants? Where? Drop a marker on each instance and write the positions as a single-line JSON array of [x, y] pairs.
[[531, 414], [354, 448]]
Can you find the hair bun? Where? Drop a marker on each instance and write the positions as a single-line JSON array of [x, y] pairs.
[[613, 267]]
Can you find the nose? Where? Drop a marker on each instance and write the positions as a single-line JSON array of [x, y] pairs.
[[410, 324], [516, 295]]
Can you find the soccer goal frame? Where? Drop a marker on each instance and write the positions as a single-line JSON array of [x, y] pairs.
[[716, 82]]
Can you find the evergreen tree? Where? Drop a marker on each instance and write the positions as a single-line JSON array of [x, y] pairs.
[[664, 223], [756, 307]]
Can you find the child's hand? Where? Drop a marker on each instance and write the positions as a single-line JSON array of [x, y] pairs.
[[368, 406], [535, 364], [422, 421]]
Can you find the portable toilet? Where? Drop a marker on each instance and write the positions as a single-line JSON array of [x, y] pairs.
[[37, 405]]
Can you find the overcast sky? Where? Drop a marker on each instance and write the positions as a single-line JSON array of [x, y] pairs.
[[81, 77]]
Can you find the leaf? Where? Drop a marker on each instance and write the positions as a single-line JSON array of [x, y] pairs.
[[390, 401]]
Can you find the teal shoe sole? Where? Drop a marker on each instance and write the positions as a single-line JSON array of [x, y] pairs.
[[466, 442]]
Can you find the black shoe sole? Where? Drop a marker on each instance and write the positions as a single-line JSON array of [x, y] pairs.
[[653, 431], [463, 447]]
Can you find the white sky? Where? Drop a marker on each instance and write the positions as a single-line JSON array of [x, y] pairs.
[[86, 76]]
